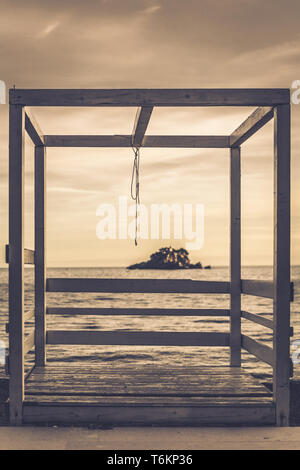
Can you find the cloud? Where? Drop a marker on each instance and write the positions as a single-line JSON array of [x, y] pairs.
[[148, 43], [48, 30], [152, 9]]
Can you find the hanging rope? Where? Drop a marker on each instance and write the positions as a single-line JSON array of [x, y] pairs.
[[135, 181]]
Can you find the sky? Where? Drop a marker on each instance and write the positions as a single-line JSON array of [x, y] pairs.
[[150, 44]]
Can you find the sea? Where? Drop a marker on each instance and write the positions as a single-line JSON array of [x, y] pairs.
[[142, 355]]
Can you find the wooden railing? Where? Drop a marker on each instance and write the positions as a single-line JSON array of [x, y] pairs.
[[141, 286], [258, 288], [28, 255], [138, 338], [249, 287], [273, 103], [264, 289], [260, 320], [29, 340], [161, 312], [260, 351]]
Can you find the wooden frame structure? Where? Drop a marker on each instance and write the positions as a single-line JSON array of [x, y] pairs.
[[270, 103]]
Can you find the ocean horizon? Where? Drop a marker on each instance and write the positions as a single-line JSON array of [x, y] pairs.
[[142, 355]]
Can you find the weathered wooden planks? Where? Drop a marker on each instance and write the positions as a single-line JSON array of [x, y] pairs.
[[149, 141], [137, 338], [251, 125], [151, 97], [175, 286], [137, 384], [164, 380], [150, 415], [146, 400], [189, 312], [148, 395]]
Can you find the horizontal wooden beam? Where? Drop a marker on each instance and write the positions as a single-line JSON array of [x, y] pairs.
[[151, 97], [148, 312], [28, 255], [260, 351], [29, 343], [142, 119], [33, 130], [258, 288], [137, 338], [258, 319], [251, 125], [262, 289], [149, 414], [163, 286], [150, 141]]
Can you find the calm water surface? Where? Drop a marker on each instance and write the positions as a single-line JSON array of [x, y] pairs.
[[172, 356]]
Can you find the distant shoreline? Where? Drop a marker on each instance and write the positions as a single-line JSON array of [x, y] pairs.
[[169, 258]]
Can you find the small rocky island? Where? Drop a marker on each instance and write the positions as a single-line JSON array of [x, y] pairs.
[[169, 258]]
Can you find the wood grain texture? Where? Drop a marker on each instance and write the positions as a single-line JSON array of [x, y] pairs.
[[141, 338], [281, 262], [154, 415], [146, 400], [150, 141], [161, 286], [251, 125], [235, 257], [151, 97], [16, 262], [150, 395]]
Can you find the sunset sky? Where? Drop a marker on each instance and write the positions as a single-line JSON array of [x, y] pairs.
[[150, 44]]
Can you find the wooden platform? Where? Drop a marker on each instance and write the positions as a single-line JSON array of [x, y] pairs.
[[148, 395]]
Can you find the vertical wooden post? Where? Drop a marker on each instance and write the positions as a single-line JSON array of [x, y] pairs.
[[281, 373], [16, 263], [40, 253], [235, 257]]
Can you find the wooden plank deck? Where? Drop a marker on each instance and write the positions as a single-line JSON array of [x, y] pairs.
[[148, 395]]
